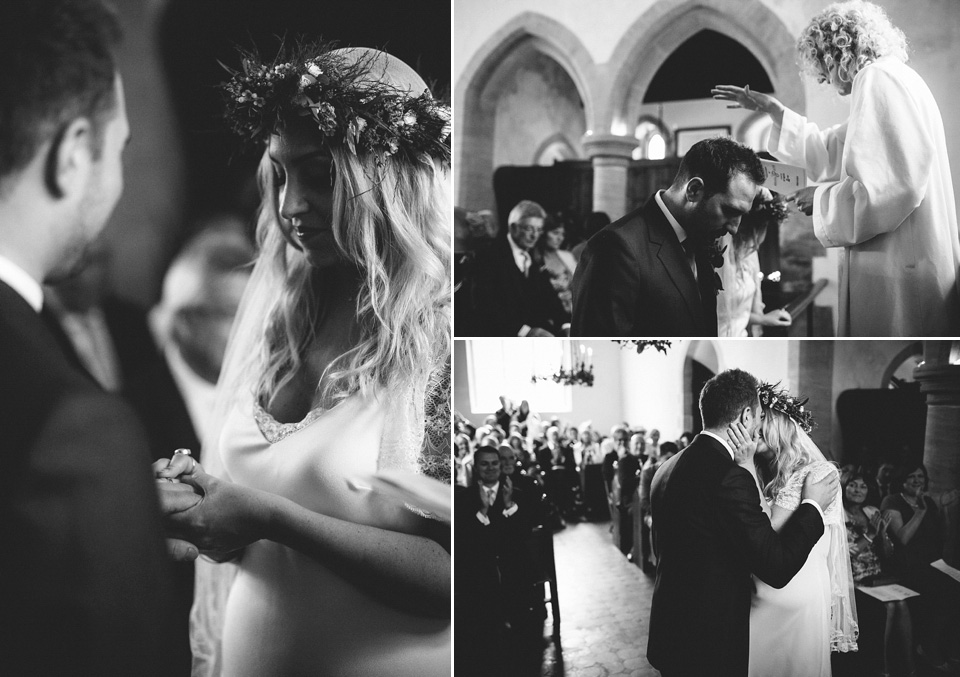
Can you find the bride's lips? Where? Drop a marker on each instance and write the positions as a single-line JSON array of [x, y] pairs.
[[310, 237]]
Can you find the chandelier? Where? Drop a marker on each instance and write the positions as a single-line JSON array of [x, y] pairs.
[[576, 367], [641, 345]]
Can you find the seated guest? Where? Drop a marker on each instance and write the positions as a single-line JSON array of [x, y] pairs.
[[559, 264], [511, 296], [685, 439], [869, 545], [916, 527]]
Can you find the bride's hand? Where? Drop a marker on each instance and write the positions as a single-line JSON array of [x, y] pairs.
[[227, 517], [744, 444], [171, 469]]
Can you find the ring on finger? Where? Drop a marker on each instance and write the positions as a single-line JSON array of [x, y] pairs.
[[186, 452]]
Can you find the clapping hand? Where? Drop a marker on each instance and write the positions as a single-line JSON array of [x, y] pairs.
[[744, 444]]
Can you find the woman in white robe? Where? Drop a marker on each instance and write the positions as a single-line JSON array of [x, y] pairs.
[[886, 193]]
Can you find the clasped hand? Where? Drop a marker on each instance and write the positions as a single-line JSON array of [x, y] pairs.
[[201, 513]]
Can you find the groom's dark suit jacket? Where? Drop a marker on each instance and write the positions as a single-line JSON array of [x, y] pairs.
[[710, 535], [85, 579], [634, 280]]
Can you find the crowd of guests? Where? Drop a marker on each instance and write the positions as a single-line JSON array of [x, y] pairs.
[[516, 282], [519, 478], [895, 531]]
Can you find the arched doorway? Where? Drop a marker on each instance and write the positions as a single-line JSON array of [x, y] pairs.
[[700, 364], [527, 83]]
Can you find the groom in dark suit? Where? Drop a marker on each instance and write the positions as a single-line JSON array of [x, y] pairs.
[[651, 273], [710, 534], [85, 579]]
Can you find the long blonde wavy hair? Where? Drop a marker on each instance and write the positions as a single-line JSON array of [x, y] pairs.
[[390, 222], [849, 35], [789, 444]]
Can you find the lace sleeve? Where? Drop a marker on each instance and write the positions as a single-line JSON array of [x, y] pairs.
[[435, 457], [789, 495]]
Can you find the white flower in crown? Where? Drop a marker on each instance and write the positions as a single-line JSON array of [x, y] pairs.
[[314, 70], [410, 119], [306, 80]]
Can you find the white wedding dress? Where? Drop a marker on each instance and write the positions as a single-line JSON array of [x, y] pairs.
[[792, 629], [286, 613], [741, 284]]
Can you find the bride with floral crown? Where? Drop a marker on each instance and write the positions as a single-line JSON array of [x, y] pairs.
[[794, 629], [337, 375]]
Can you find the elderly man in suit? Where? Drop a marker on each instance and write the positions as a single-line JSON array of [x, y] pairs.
[[86, 581], [710, 534], [512, 295], [651, 273]]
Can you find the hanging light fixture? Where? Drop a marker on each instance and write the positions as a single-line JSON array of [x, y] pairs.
[[576, 367]]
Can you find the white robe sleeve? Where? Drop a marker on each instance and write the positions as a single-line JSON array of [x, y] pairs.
[[802, 143]]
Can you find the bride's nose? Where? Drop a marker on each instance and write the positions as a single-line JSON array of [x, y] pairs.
[[293, 202]]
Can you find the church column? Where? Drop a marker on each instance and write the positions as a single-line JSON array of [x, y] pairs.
[[611, 156], [939, 377]]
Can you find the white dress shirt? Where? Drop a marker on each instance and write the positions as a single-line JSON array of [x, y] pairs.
[[678, 229], [21, 282]]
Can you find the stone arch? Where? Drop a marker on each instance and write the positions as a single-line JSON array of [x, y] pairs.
[[898, 360], [500, 56], [658, 31], [558, 141]]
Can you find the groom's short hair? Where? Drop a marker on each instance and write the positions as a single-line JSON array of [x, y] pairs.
[[716, 160], [58, 65], [725, 396]]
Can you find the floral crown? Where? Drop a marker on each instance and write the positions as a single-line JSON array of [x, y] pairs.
[[780, 400], [348, 106]]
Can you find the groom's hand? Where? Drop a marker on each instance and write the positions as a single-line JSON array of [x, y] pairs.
[[822, 492]]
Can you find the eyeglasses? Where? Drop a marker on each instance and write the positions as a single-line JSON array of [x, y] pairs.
[[528, 228]]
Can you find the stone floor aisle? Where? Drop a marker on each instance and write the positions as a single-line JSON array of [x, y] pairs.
[[604, 608]]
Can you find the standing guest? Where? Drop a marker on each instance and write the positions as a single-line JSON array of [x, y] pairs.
[[512, 296], [463, 460], [916, 525], [649, 469], [559, 264], [651, 273], [86, 584], [490, 525], [887, 194], [628, 475]]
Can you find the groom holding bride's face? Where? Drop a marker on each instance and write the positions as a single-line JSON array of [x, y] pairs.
[[651, 273], [711, 535]]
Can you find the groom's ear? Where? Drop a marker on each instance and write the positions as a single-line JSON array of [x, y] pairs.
[[694, 189]]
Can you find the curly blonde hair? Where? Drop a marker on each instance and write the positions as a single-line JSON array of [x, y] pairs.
[[849, 35], [390, 222]]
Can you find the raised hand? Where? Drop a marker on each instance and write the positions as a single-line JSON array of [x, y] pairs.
[[804, 199], [744, 444], [822, 492], [746, 98], [507, 492]]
